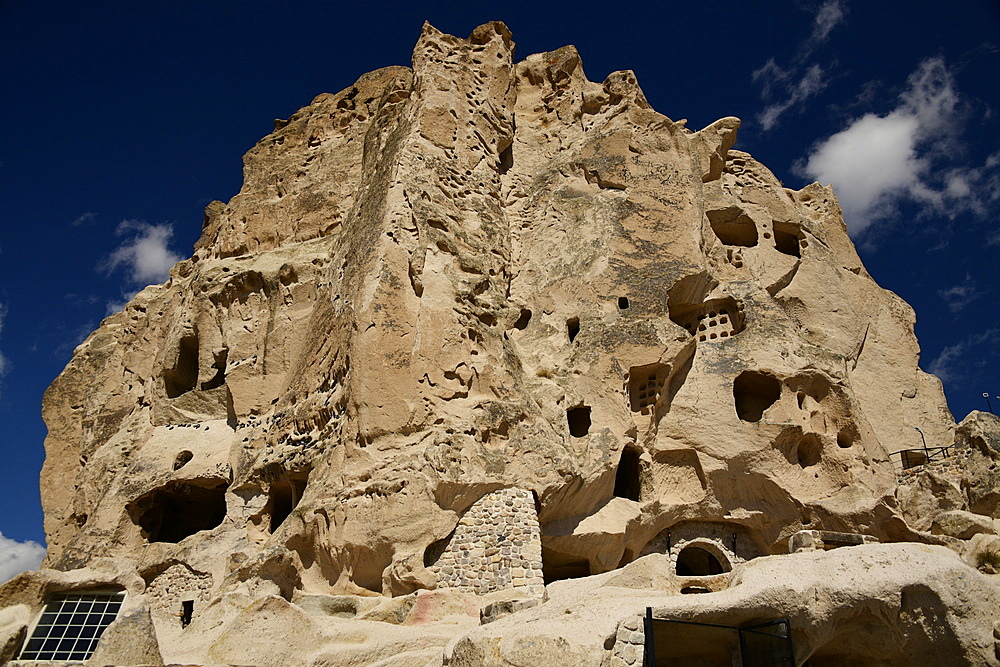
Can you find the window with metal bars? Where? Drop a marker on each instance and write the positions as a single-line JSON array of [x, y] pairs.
[[71, 625]]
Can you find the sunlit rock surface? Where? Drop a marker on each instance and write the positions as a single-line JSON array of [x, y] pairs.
[[481, 325]]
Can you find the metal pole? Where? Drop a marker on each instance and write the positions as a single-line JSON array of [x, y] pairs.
[[923, 440], [649, 652], [988, 404]]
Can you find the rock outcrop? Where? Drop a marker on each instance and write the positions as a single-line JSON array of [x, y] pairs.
[[479, 326]]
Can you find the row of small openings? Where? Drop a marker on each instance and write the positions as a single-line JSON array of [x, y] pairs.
[[572, 324], [645, 383], [704, 326]]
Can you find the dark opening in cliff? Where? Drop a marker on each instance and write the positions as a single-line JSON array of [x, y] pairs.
[[557, 566], [754, 393], [579, 421], [572, 328], [696, 562], [627, 476], [219, 365], [733, 227], [283, 496], [183, 377], [788, 239], [434, 550], [179, 509]]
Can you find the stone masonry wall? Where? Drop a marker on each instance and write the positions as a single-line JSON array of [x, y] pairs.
[[949, 467], [177, 583], [497, 545]]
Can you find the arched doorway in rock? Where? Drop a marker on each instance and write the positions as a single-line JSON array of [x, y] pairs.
[[695, 561]]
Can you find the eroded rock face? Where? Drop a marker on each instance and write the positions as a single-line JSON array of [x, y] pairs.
[[483, 284]]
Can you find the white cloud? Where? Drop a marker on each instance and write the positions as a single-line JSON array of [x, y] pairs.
[[961, 295], [783, 88], [17, 557], [951, 365], [877, 162], [145, 254]]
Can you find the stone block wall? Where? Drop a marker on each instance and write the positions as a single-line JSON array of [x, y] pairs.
[[629, 647], [497, 545], [950, 468], [177, 583]]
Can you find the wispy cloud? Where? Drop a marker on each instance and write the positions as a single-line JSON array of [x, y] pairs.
[[144, 253], [910, 154], [961, 360], [83, 219], [796, 89], [786, 87], [961, 295], [829, 16], [17, 557]]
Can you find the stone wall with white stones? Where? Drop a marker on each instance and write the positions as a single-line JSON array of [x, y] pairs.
[[497, 545], [177, 583]]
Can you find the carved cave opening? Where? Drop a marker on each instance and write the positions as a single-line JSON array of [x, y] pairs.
[[182, 459], [283, 496], [710, 319], [522, 321], [627, 477], [179, 509], [809, 450], [572, 328], [219, 365], [788, 239], [506, 159], [623, 303], [578, 419], [434, 550], [754, 393], [733, 227], [694, 561], [183, 377], [557, 566], [847, 436]]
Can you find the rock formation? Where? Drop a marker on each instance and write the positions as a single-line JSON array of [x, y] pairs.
[[480, 326]]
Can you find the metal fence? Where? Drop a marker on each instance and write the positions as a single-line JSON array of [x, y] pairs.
[[905, 459]]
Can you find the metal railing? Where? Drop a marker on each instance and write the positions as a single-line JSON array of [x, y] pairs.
[[904, 459]]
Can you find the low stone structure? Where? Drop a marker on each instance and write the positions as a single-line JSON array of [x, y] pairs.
[[496, 546]]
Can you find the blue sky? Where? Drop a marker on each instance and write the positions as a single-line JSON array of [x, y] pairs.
[[122, 120]]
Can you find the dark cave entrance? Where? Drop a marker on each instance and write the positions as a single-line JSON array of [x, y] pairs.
[[697, 562], [627, 476], [179, 509]]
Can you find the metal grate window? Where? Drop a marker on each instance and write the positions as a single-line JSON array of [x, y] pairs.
[[71, 625]]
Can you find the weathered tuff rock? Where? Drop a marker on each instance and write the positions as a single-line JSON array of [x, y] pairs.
[[478, 326]]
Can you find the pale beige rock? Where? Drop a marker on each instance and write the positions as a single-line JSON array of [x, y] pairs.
[[961, 524], [474, 282], [980, 433], [878, 604]]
